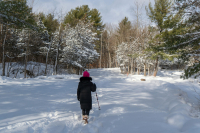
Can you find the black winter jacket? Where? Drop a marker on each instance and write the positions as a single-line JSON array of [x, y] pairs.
[[85, 87]]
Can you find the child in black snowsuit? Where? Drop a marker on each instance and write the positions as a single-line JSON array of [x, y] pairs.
[[85, 87]]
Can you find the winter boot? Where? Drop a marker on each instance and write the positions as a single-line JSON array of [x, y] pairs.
[[85, 118]]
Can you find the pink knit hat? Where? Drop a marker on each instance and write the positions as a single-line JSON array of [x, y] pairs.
[[86, 74]]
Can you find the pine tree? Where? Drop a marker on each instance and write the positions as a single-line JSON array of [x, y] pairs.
[[73, 16], [78, 49], [49, 22], [96, 19], [46, 45], [184, 38], [15, 13], [124, 30], [85, 14], [165, 19]]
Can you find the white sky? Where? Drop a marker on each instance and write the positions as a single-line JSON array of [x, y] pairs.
[[112, 11]]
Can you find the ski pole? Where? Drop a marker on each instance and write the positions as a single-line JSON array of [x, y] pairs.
[[98, 101]]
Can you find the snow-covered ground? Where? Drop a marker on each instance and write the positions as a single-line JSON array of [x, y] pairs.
[[16, 69], [162, 104]]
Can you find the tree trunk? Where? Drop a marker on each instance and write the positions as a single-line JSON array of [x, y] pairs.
[[109, 57], [139, 70], [128, 67], [3, 56], [131, 65], [134, 66], [9, 67], [77, 71], [26, 56], [148, 70], [4, 65], [156, 68], [81, 71], [109, 60], [45, 73], [145, 69], [38, 71], [56, 62], [116, 64], [57, 55], [101, 53]]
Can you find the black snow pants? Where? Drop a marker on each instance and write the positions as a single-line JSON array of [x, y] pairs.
[[85, 112]]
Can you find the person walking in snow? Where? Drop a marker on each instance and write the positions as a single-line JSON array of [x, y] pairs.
[[85, 87]]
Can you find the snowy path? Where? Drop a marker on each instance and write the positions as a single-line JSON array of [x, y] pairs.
[[49, 105]]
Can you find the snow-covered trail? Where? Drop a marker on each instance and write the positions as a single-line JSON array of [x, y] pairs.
[[49, 105]]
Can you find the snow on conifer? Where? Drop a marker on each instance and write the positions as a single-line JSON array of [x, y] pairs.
[[78, 49]]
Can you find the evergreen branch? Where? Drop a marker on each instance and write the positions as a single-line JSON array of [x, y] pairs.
[[19, 20]]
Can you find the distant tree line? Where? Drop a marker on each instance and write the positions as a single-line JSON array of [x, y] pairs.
[[66, 42], [79, 40], [171, 39]]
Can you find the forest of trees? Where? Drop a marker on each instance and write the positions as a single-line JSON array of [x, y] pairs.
[[79, 39]]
